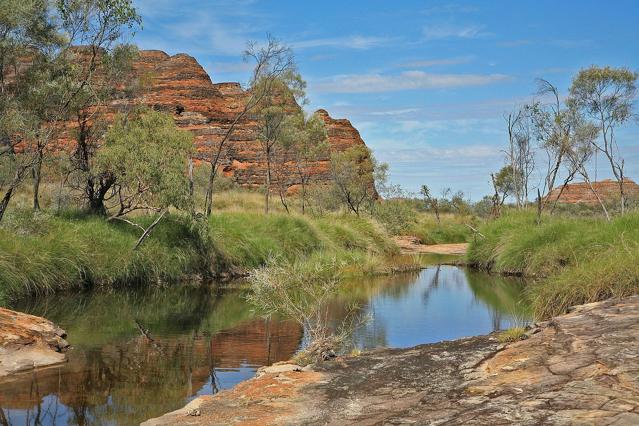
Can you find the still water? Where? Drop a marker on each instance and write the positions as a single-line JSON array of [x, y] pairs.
[[136, 356]]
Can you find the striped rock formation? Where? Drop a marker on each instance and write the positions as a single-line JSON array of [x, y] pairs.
[[580, 193], [179, 85]]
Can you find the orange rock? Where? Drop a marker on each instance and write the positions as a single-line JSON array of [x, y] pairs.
[[179, 85], [580, 193]]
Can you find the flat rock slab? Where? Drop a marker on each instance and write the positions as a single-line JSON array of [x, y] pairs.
[[28, 342], [411, 245], [579, 368]]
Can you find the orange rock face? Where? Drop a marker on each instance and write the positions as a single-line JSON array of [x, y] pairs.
[[580, 193], [28, 342], [180, 86]]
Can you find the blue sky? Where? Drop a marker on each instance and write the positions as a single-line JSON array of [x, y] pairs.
[[425, 82]]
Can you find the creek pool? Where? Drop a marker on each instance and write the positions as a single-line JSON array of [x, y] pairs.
[[139, 355]]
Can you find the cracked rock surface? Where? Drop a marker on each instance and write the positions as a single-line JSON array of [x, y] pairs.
[[28, 342], [579, 368]]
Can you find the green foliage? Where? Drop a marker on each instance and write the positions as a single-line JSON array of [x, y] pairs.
[[607, 90], [397, 215], [355, 172], [146, 155], [575, 260], [41, 253]]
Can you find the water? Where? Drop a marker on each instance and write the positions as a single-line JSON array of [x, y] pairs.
[[200, 341]]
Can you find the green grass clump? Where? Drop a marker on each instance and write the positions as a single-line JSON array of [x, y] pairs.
[[512, 335], [43, 253], [573, 260], [248, 240]]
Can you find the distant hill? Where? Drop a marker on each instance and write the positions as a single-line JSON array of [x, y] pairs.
[[580, 193]]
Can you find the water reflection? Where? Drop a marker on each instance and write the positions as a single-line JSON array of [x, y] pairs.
[[139, 355], [438, 303]]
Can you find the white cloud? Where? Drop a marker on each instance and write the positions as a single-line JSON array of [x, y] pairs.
[[349, 42], [408, 80], [434, 62], [460, 154], [439, 32], [219, 27], [394, 112]]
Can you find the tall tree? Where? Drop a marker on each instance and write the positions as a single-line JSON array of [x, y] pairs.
[[145, 155], [272, 63], [274, 112], [29, 42], [354, 173], [520, 155], [306, 140], [606, 95]]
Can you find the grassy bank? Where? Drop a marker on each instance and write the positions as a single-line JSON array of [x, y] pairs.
[[43, 252], [572, 260], [450, 229]]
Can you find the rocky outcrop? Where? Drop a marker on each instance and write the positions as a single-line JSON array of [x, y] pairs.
[[580, 368], [179, 85], [581, 193], [28, 342]]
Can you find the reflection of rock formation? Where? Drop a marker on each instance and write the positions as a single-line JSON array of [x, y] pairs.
[[144, 378]]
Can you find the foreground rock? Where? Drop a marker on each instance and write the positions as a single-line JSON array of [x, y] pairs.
[[28, 342], [578, 368]]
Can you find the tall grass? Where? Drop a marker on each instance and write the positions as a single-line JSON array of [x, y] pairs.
[[573, 260], [451, 228], [248, 240], [43, 252]]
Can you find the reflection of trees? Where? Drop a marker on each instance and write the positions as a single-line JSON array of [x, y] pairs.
[[504, 296], [118, 374], [433, 285]]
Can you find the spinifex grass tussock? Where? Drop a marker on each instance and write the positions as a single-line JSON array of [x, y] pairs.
[[44, 252], [574, 260]]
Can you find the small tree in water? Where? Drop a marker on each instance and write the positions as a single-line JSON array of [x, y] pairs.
[[301, 292]]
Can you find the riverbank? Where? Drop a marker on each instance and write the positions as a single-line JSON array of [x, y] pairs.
[[44, 252], [573, 260], [578, 368]]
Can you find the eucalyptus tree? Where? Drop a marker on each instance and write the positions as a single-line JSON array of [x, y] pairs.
[[354, 172], [29, 40], [606, 95], [302, 141], [101, 67], [42, 79], [274, 111], [273, 63], [520, 154], [145, 156]]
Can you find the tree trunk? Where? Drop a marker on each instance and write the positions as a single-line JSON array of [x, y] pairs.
[[303, 195], [190, 175], [623, 195], [267, 184], [148, 230], [5, 201], [37, 173], [208, 200]]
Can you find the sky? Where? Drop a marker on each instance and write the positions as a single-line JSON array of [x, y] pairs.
[[427, 83]]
